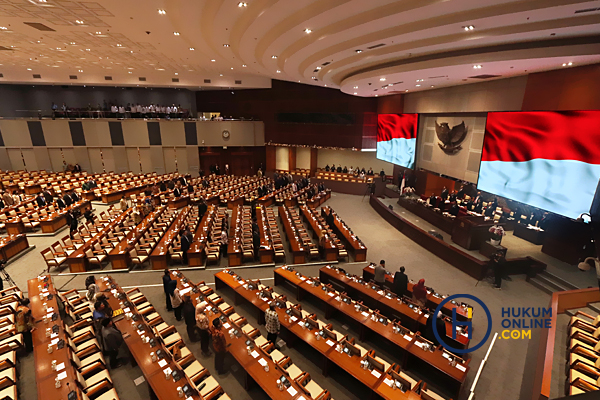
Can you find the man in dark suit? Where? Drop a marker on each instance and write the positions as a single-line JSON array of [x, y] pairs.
[[60, 203], [67, 199], [339, 169], [171, 185], [433, 200], [400, 283], [478, 197], [478, 205], [205, 183], [163, 186], [452, 196], [74, 197], [190, 189], [444, 195], [327, 168], [47, 196], [177, 192], [454, 210], [186, 241], [345, 170], [40, 200], [1, 203], [202, 207]]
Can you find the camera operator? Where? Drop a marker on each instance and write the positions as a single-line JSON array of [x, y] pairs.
[[497, 263]]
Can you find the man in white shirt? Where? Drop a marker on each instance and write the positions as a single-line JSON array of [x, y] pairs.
[[138, 108], [114, 110], [122, 111], [224, 242], [169, 110]]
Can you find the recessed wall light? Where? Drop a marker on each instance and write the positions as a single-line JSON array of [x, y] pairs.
[[358, 51], [278, 71], [273, 57], [225, 45], [176, 33], [192, 49], [382, 79], [242, 4], [244, 65], [307, 30], [355, 93], [477, 66], [162, 12]]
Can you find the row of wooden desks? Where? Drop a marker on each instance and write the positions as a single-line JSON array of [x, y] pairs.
[[341, 229], [255, 362], [296, 323], [296, 246], [12, 245], [77, 260], [196, 253], [45, 312], [433, 298], [403, 340], [119, 256], [49, 223], [310, 216], [134, 330], [266, 252], [389, 305], [159, 255]]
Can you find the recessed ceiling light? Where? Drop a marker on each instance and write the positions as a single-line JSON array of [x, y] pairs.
[[307, 30], [355, 87], [325, 85], [160, 69], [278, 71], [176, 73], [376, 95], [78, 21], [382, 79], [225, 45], [130, 72], [72, 43], [28, 69], [432, 86], [564, 64], [273, 56], [58, 48], [80, 70], [468, 27], [119, 45], [243, 66], [318, 68], [162, 12], [231, 67], [192, 49], [477, 66], [87, 49], [417, 85], [98, 33], [570, 63], [242, 4], [220, 74], [213, 60], [176, 33], [358, 51], [406, 90], [355, 93]]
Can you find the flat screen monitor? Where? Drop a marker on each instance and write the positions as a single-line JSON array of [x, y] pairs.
[[549, 159], [397, 138]]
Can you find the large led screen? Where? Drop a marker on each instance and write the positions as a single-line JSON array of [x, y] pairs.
[[397, 138], [550, 160]]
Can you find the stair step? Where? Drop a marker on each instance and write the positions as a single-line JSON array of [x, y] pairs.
[[566, 284], [594, 307], [548, 281], [541, 285]]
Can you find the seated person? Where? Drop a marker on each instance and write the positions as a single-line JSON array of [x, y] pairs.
[[370, 172], [452, 196], [351, 170], [339, 169], [444, 194], [454, 210], [478, 207], [356, 173], [433, 200], [327, 168], [345, 170], [489, 211]]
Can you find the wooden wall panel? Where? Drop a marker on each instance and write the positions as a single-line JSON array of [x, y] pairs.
[[82, 157], [172, 133], [43, 160], [292, 159], [393, 104], [4, 160], [135, 133], [575, 88], [95, 160], [57, 133], [96, 133], [182, 160], [15, 133], [314, 160], [282, 160], [157, 160], [119, 162], [30, 160], [271, 158], [108, 156], [303, 158]]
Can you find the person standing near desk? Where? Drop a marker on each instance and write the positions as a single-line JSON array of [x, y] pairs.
[[420, 293], [400, 283], [224, 241], [380, 272], [497, 263], [203, 327], [272, 323], [112, 340], [186, 242], [189, 316], [166, 279], [219, 345], [176, 300], [24, 324]]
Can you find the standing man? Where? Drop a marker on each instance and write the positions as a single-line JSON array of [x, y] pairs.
[[272, 323], [498, 266], [400, 283], [176, 300], [224, 241], [166, 279], [202, 208], [113, 340], [189, 316], [186, 242], [219, 345], [380, 272], [40, 200], [24, 324], [203, 326]]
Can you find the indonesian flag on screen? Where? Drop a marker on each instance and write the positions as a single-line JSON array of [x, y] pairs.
[[397, 138], [550, 160]]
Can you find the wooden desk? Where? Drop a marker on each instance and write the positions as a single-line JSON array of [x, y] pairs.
[[471, 232], [53, 222], [14, 226], [12, 245], [437, 219], [237, 348], [119, 256], [393, 308], [266, 253], [234, 253], [297, 249], [44, 375], [534, 236], [163, 389], [341, 229], [178, 202], [196, 254], [159, 255], [331, 250]]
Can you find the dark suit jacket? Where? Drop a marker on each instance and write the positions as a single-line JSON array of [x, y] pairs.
[[163, 187], [177, 192], [74, 197], [171, 185], [41, 202], [48, 197], [60, 203], [185, 243], [400, 283], [67, 199]]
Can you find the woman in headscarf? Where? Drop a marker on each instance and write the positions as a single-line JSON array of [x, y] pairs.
[[203, 326], [176, 300], [420, 293], [92, 288]]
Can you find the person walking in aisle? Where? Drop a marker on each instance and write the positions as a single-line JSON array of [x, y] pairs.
[[24, 324], [203, 327], [112, 340], [176, 300], [272, 323], [219, 345], [189, 316], [166, 279]]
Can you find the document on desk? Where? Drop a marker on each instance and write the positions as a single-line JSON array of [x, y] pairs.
[[293, 319], [162, 363], [61, 376], [184, 291], [365, 313], [60, 367], [388, 382], [375, 373], [254, 354], [292, 391], [262, 362], [330, 342], [461, 368], [409, 338]]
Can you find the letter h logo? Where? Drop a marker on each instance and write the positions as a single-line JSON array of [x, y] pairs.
[[456, 323]]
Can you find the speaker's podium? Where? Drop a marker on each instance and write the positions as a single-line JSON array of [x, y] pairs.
[[470, 232]]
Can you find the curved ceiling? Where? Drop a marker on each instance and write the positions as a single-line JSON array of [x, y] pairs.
[[363, 47]]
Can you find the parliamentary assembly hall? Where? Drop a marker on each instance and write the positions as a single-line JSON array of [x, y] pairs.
[[299, 200]]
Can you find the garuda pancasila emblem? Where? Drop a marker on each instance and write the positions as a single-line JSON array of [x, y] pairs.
[[450, 139]]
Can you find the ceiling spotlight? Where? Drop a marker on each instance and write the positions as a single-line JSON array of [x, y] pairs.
[[162, 12], [477, 66], [87, 49], [72, 42], [569, 64], [231, 67], [273, 57], [3, 28], [278, 71], [225, 45], [192, 49], [213, 60], [243, 66], [468, 28], [564, 64], [176, 73], [176, 33], [417, 85], [307, 30], [242, 4], [355, 87], [432, 86], [382, 79], [318, 68], [119, 45], [78, 21], [355, 93], [220, 74], [358, 51], [406, 90], [98, 33], [80, 70], [28, 69]]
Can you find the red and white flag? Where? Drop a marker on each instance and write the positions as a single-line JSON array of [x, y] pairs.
[[397, 138], [550, 160]]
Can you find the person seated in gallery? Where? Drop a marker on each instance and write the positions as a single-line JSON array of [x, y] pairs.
[[362, 174], [452, 197], [370, 172], [356, 172], [444, 194], [454, 209], [363, 171], [382, 174], [339, 169], [478, 207], [489, 211], [327, 168], [332, 167], [433, 200], [345, 170], [461, 193], [351, 170]]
